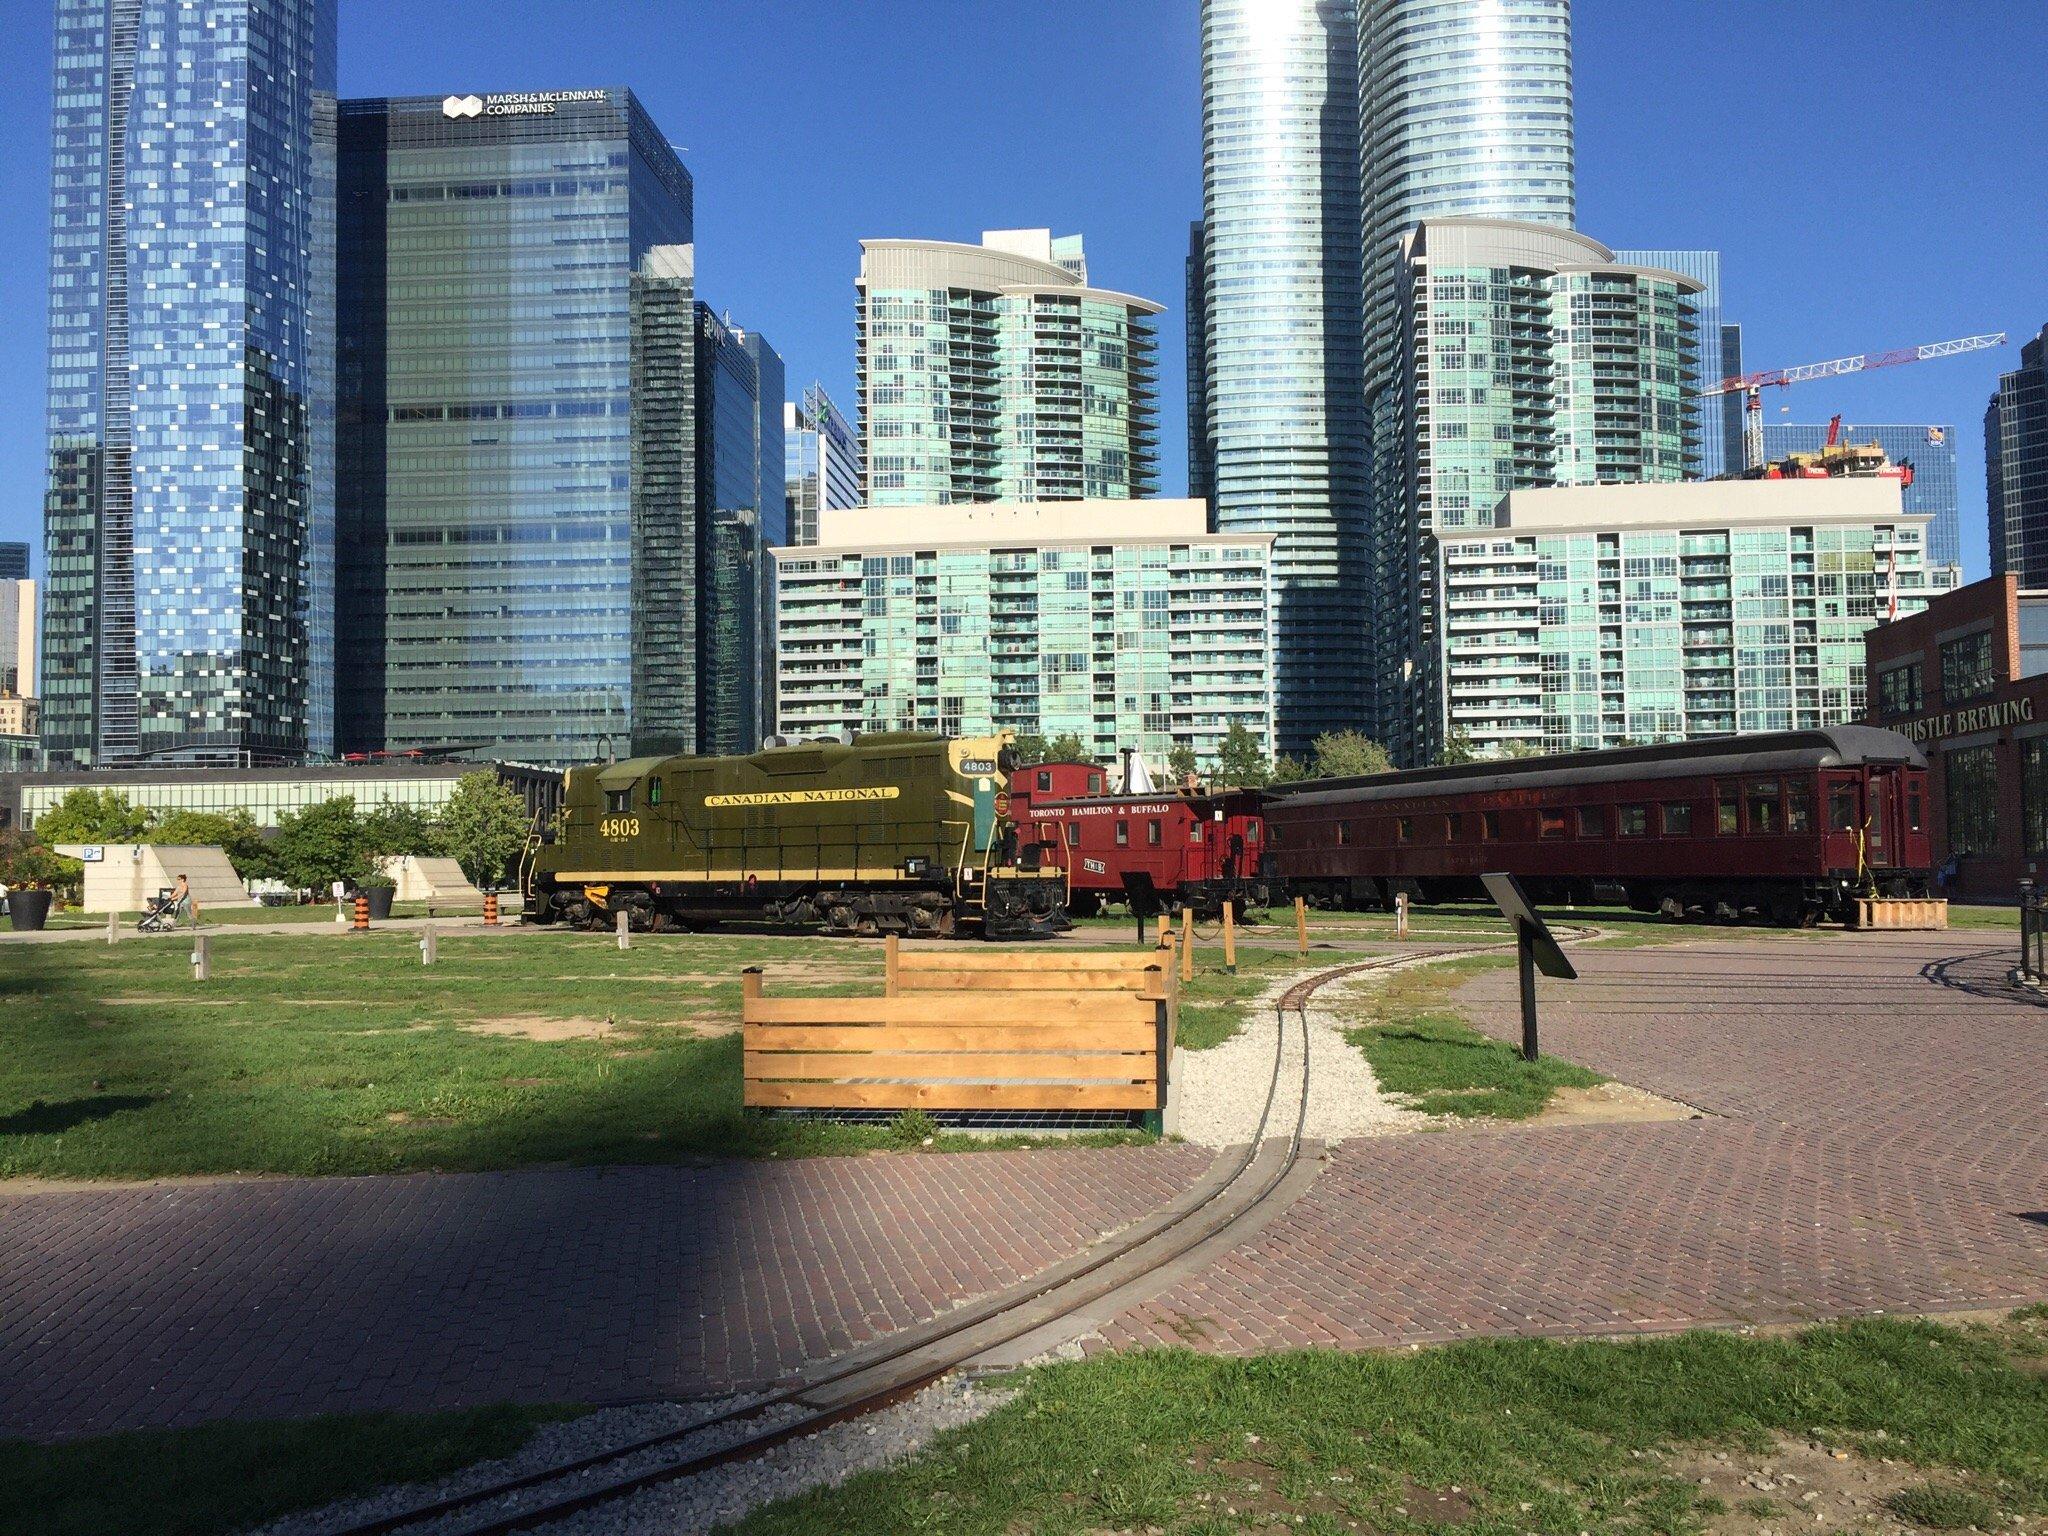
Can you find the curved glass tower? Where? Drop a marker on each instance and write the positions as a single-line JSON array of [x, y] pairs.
[[1282, 372]]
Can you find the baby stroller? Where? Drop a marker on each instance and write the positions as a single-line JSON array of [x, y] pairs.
[[161, 915]]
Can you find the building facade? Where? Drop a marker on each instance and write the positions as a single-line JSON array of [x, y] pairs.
[[188, 518], [1610, 615], [1704, 268], [1931, 450], [821, 462], [13, 562], [1530, 357], [1126, 624], [18, 638], [1968, 679], [2016, 467], [994, 372], [514, 443], [1281, 445], [1730, 405]]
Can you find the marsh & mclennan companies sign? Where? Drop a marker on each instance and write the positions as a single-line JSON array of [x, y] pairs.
[[516, 103], [1962, 722]]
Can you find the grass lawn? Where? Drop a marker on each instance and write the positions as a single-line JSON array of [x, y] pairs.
[[224, 1477], [1983, 917], [1493, 1439], [329, 1054]]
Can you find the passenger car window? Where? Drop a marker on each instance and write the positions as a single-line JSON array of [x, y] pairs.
[[1592, 821], [1913, 809], [1551, 824], [1635, 821], [1454, 827], [1677, 817], [1842, 808], [1404, 830], [1798, 806], [1489, 824], [1765, 813], [1727, 810]]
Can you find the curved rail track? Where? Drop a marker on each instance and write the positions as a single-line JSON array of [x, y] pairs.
[[876, 1376]]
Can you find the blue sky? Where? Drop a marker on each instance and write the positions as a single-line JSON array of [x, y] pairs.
[[1875, 174]]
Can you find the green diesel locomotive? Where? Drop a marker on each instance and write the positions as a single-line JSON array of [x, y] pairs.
[[898, 833]]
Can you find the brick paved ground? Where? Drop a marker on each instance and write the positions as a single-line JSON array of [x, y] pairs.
[[167, 1305], [1876, 1140]]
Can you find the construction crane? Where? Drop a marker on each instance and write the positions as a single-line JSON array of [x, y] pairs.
[[1752, 385]]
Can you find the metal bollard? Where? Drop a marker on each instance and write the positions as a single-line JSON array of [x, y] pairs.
[[362, 922], [625, 933], [202, 959], [430, 946], [490, 909], [113, 927]]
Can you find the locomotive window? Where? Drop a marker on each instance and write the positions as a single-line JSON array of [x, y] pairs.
[[1635, 821], [1728, 810], [1842, 808], [1677, 819], [1123, 834], [1798, 806], [654, 791], [616, 800], [1073, 834], [1551, 824], [1489, 825], [1152, 832], [1592, 821], [1766, 814], [1045, 781], [1404, 830]]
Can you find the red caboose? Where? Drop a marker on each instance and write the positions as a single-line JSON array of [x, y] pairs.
[[1198, 849]]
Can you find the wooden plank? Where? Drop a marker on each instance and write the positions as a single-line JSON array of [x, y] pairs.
[[1023, 981], [950, 1037], [952, 1008], [949, 1096], [982, 1066], [957, 958]]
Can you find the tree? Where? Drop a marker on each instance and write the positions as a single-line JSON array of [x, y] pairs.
[[1349, 755], [1457, 749], [1289, 770], [234, 832], [93, 816], [1067, 748], [1516, 749], [321, 844], [393, 830], [1239, 760], [483, 825], [1182, 763], [1030, 748]]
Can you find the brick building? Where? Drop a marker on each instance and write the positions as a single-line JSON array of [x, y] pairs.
[[1968, 679]]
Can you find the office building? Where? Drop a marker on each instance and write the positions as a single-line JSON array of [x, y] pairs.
[[1127, 624], [1704, 268], [1931, 450], [1201, 434], [1281, 447], [994, 372], [2016, 467], [1465, 111], [18, 638], [13, 562], [1598, 616], [1730, 405], [518, 488], [1529, 357], [188, 519], [821, 462]]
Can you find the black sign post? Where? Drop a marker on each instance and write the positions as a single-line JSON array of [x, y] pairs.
[[1143, 896], [1536, 949]]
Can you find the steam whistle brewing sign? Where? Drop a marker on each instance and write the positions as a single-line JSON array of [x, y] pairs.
[[1962, 722], [517, 103], [808, 796]]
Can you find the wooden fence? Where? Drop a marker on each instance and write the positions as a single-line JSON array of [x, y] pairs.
[[961, 1029]]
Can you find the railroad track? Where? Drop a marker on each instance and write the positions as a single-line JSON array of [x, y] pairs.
[[875, 1376]]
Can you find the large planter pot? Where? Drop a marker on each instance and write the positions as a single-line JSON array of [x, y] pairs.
[[380, 900], [28, 910]]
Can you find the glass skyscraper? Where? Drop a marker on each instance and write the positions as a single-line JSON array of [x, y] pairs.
[[189, 514], [994, 372], [13, 562], [2016, 467], [1930, 449], [518, 506], [1281, 448], [821, 462], [1704, 268]]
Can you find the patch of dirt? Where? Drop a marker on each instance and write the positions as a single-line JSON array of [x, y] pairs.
[[1609, 1104], [1255, 1500], [1799, 1486], [535, 1026], [1436, 1506], [404, 1117]]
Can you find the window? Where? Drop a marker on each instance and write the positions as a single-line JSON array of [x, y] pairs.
[[1489, 825], [1898, 691], [1152, 834], [1404, 830], [1592, 821], [1972, 775], [1966, 667], [1045, 781], [1194, 832], [1766, 811], [1454, 827], [1635, 821], [1343, 833], [1798, 806], [1727, 810], [1551, 824], [654, 791], [1073, 834], [1251, 832], [1123, 834], [1915, 820], [618, 800], [1677, 819], [1842, 815], [1094, 783]]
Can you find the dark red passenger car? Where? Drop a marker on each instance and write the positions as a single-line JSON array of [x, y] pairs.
[[1790, 827], [1198, 849]]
